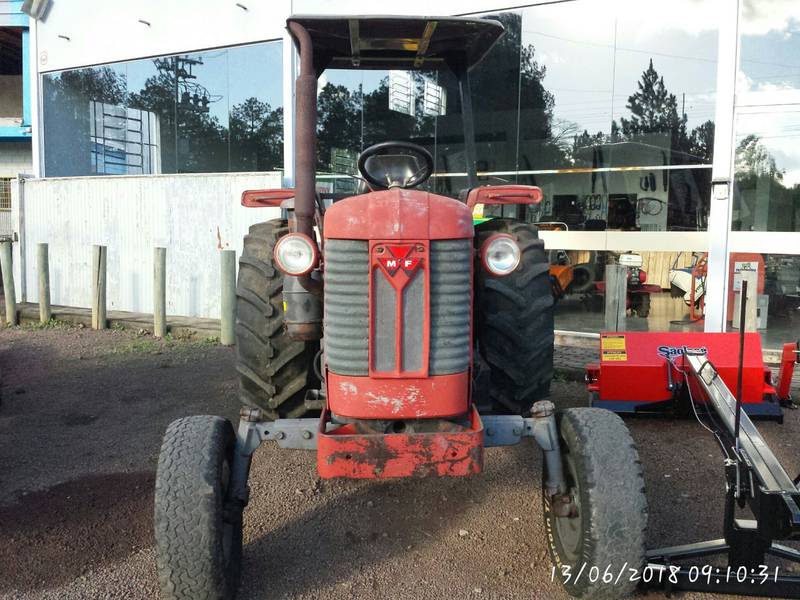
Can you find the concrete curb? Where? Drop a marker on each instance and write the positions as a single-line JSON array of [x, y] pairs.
[[29, 313]]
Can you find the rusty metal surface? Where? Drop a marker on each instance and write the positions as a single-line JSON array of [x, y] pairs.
[[342, 452], [305, 132]]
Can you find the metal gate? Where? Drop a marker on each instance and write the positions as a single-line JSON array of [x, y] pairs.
[[6, 228]]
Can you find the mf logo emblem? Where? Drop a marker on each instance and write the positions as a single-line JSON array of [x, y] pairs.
[[396, 259]]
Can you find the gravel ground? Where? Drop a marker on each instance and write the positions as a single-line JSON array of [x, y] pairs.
[[81, 420]]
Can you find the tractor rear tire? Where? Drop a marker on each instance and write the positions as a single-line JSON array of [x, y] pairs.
[[514, 321], [604, 476], [198, 531], [274, 370]]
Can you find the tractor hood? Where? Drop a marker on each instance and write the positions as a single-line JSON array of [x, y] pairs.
[[398, 214]]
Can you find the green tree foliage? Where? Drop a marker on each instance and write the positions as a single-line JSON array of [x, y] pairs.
[[256, 134], [655, 119], [762, 200], [701, 141], [252, 138], [338, 122], [192, 141], [754, 160], [654, 110]]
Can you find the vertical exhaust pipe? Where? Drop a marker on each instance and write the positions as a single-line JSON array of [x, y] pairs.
[[305, 137], [303, 294]]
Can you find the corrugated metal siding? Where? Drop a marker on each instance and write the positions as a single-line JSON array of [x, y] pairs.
[[347, 307], [451, 306], [193, 216]]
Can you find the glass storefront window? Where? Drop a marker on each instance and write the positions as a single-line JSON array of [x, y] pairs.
[[769, 47], [212, 111], [767, 164], [627, 105], [767, 170], [778, 293], [612, 118], [656, 299]]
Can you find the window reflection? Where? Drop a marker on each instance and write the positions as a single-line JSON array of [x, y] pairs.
[[778, 293], [608, 107], [214, 111], [767, 165], [767, 171], [627, 97], [653, 301], [770, 47]]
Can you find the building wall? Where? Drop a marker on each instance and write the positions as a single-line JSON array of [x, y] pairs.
[[11, 97], [180, 26], [15, 158], [193, 216], [149, 28]]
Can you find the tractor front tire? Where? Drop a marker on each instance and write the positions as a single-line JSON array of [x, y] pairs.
[[198, 531], [274, 370], [514, 321], [604, 478]]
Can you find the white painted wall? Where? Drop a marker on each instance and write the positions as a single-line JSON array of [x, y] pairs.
[[193, 216], [15, 158], [102, 31]]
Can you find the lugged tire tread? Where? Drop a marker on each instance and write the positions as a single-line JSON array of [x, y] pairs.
[[610, 473], [188, 511], [514, 321], [274, 370]]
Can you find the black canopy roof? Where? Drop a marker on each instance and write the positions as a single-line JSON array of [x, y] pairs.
[[390, 42]]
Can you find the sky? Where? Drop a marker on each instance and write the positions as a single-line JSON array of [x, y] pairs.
[[595, 52], [769, 71]]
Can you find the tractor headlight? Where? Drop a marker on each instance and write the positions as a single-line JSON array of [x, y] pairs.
[[296, 254], [500, 254]]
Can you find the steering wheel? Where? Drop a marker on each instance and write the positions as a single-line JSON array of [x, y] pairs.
[[395, 164]]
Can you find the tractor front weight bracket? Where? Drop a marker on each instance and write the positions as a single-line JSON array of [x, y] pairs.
[[498, 430]]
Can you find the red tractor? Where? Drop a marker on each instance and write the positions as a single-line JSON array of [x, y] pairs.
[[393, 337]]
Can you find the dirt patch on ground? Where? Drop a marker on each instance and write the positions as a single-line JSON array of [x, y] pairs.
[[57, 535], [81, 422]]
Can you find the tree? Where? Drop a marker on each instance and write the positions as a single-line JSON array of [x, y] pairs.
[[761, 199], [338, 122], [585, 140], [753, 159], [192, 141], [701, 141], [654, 111], [256, 134]]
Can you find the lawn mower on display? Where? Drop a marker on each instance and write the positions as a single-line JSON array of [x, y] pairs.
[[365, 329], [637, 299]]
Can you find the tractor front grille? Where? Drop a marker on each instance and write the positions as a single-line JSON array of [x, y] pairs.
[[347, 310], [347, 306]]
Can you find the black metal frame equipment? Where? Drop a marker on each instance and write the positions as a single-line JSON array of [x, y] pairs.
[[756, 480]]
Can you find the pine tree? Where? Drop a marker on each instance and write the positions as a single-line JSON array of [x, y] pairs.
[[654, 111]]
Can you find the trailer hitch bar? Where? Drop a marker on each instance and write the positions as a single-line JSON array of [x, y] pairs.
[[755, 479]]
